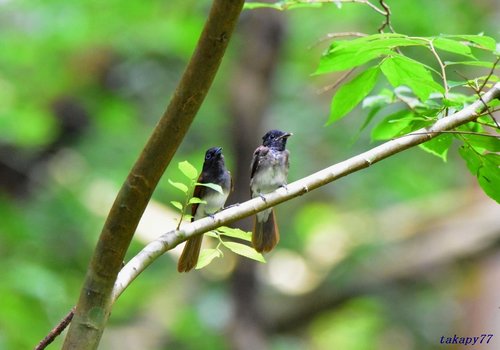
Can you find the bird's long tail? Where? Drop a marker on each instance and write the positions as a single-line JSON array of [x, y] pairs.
[[190, 254], [265, 234]]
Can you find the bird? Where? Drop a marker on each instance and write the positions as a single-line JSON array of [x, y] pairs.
[[269, 171], [214, 171]]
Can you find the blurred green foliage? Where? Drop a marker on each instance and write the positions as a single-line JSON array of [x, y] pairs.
[[118, 62]]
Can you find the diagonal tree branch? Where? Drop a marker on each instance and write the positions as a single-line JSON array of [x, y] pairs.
[[94, 305], [171, 239]]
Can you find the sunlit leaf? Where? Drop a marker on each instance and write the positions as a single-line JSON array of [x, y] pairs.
[[214, 187], [454, 46], [235, 233], [486, 168], [179, 186], [188, 170], [347, 58], [401, 70], [369, 117], [187, 217], [244, 250], [458, 100], [196, 200], [352, 93], [481, 40], [481, 144], [494, 103], [346, 54], [392, 125], [206, 257], [212, 234], [484, 64], [176, 204], [438, 146]]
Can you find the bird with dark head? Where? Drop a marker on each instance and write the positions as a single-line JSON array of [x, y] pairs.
[[269, 171], [215, 172]]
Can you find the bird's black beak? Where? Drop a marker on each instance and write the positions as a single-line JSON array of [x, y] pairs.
[[284, 136], [218, 151]]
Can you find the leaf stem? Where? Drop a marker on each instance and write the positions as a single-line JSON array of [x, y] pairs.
[[443, 70]]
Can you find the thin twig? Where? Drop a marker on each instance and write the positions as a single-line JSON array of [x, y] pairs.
[[477, 90], [387, 22], [488, 111], [443, 69], [56, 331], [486, 124], [369, 4], [490, 74], [286, 5], [337, 83]]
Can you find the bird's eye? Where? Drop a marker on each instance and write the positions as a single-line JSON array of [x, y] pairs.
[[208, 156]]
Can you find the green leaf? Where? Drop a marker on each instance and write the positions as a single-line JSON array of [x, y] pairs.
[[485, 41], [212, 234], [176, 204], [214, 187], [188, 170], [489, 176], [346, 54], [346, 58], [373, 112], [458, 100], [452, 46], [196, 200], [352, 93], [401, 70], [244, 250], [393, 125], [483, 143], [235, 233], [187, 217], [484, 64], [486, 168], [471, 126], [494, 103], [206, 257], [179, 186], [438, 146]]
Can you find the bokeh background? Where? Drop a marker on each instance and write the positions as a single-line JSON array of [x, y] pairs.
[[393, 257]]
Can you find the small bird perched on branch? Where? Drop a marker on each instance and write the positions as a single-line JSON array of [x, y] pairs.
[[268, 172], [215, 172]]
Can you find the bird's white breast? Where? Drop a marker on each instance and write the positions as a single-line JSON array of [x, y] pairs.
[[215, 202]]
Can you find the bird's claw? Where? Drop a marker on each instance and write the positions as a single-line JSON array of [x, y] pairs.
[[285, 186]]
